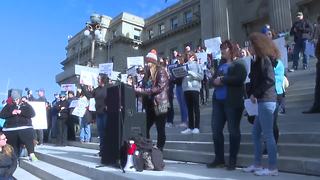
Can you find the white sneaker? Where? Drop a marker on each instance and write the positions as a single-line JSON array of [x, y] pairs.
[[195, 131], [251, 169], [186, 131], [267, 172]]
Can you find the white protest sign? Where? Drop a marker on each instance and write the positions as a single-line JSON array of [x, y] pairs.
[[106, 68], [132, 71], [135, 61], [281, 44], [89, 78], [80, 108], [179, 72], [213, 46], [124, 78], [202, 57], [251, 108], [39, 121], [78, 69], [92, 104], [68, 87], [114, 75]]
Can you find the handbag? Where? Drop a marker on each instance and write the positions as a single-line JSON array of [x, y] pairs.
[[161, 108]]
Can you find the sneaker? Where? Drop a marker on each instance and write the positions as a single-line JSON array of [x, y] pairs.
[[186, 131], [32, 157], [183, 125], [305, 66], [267, 172], [252, 168], [291, 70], [195, 131], [169, 125]]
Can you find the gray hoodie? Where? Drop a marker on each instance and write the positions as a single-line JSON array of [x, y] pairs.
[[192, 82]]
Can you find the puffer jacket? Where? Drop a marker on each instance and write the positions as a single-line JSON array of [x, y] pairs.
[[192, 82], [159, 90], [23, 119]]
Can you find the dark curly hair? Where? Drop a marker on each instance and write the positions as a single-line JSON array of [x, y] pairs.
[[234, 51]]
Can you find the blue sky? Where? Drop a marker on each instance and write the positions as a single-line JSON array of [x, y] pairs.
[[34, 36]]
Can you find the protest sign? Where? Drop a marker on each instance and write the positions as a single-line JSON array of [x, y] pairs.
[[80, 108], [115, 75], [124, 78], [68, 87], [310, 49], [106, 68], [79, 68], [132, 71], [89, 78], [39, 121], [180, 71], [213, 46], [135, 61], [202, 57]]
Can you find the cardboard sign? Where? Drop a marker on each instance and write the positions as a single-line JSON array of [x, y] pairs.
[[106, 68], [135, 61], [39, 121]]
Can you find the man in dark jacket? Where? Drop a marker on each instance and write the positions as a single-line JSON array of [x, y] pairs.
[[302, 31], [316, 104], [63, 114]]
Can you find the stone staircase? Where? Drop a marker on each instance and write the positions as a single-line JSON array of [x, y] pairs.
[[186, 155]]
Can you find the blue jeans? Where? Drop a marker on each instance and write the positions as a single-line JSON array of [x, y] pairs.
[[85, 131], [101, 120], [300, 46], [222, 113], [263, 124], [182, 104]]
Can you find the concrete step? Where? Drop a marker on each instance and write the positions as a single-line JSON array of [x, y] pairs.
[[20, 173], [48, 171], [288, 164], [284, 149]]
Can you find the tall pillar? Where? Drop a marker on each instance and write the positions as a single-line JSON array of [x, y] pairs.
[[221, 19], [280, 15], [206, 19]]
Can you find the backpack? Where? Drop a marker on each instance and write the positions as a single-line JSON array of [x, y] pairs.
[[138, 161], [157, 159]]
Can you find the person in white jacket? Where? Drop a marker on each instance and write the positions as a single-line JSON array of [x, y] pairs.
[[191, 85]]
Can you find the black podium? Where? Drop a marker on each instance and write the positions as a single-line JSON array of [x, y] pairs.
[[123, 122]]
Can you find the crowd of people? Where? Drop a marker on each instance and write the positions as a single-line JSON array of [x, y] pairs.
[[154, 86]]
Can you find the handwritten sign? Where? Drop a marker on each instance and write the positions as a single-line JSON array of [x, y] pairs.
[[135, 61], [213, 46], [89, 78], [106, 68], [179, 72]]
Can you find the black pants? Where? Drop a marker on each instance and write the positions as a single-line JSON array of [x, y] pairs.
[[18, 137], [192, 101], [160, 122], [62, 132], [38, 135], [204, 90], [316, 103], [170, 114]]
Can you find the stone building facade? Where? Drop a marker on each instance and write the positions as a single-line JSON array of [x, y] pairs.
[[188, 22]]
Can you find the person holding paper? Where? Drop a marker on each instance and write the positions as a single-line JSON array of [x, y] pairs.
[[191, 85], [100, 96], [63, 115], [155, 93], [262, 91], [228, 104], [18, 126]]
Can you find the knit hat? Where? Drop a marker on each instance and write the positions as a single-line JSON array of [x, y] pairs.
[[152, 56], [15, 94]]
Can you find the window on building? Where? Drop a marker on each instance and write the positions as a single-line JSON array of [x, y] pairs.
[[136, 33], [150, 33], [188, 17], [174, 23], [161, 28]]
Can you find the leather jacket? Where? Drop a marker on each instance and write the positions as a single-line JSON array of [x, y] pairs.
[[159, 90]]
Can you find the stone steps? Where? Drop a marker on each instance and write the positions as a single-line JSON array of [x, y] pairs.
[[44, 170], [287, 164], [20, 173]]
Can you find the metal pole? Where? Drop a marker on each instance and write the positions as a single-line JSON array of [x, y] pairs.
[[108, 51], [93, 42]]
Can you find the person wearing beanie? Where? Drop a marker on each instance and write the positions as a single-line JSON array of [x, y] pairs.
[[154, 90], [18, 126]]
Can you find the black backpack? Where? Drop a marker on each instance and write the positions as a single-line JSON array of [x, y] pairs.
[[157, 159]]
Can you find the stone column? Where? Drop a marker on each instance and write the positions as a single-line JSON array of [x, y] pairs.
[[206, 19], [280, 15], [221, 19]]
